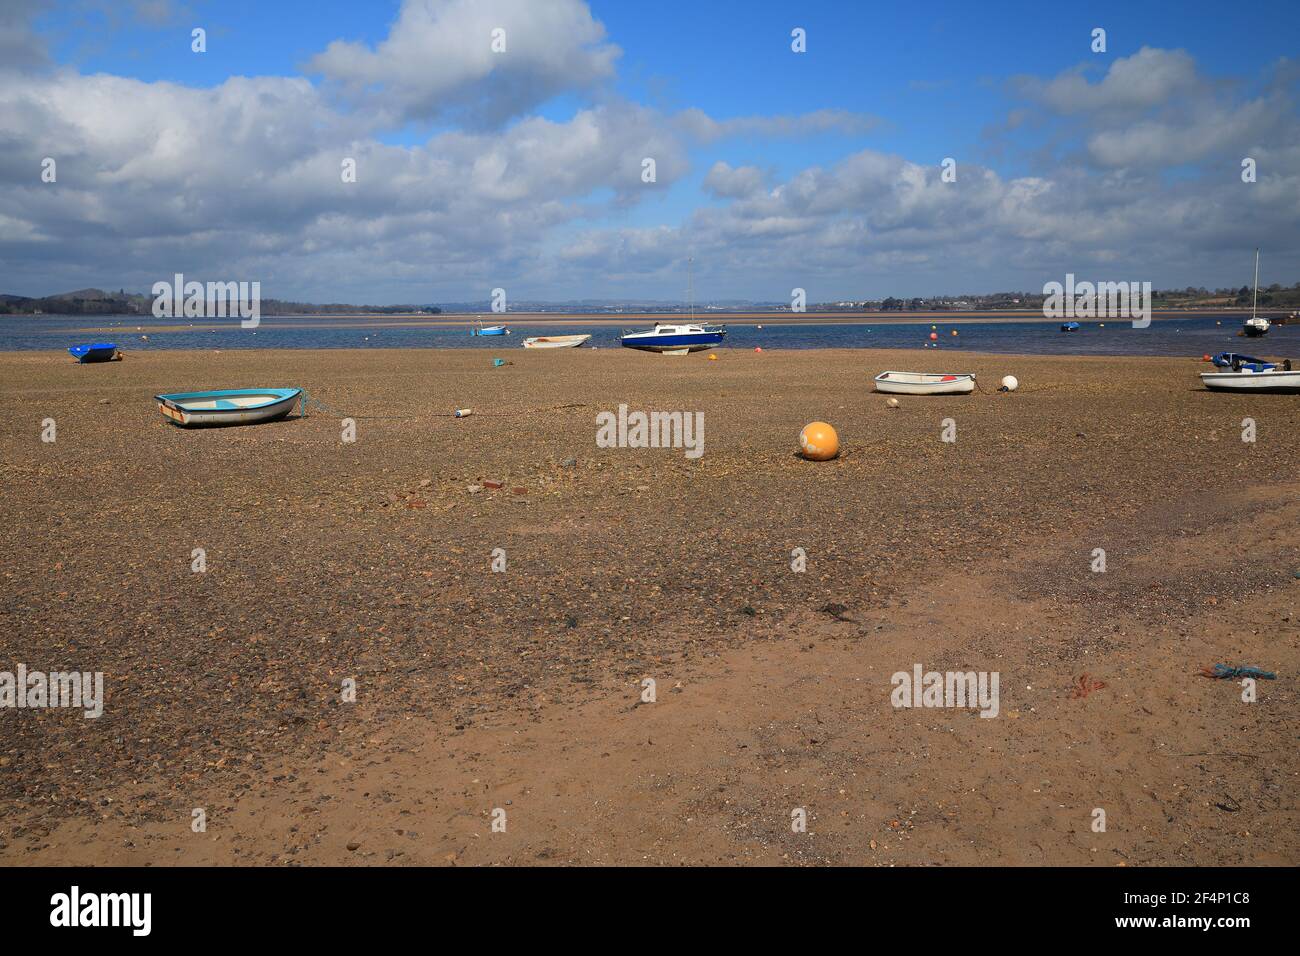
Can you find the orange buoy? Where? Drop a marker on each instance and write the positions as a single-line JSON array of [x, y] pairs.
[[818, 442], [934, 336], [1206, 357], [713, 358], [758, 348]]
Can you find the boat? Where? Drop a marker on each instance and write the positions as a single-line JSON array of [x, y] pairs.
[[1256, 325], [480, 329], [925, 383], [1069, 326], [1274, 379], [96, 352], [231, 406], [555, 341], [674, 338], [1237, 362]]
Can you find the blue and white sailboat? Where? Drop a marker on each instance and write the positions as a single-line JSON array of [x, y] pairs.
[[676, 338]]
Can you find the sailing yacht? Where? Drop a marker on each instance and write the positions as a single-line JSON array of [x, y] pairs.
[[676, 338], [1256, 325]]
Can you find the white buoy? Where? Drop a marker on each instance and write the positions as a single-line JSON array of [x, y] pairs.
[[892, 403], [1010, 383]]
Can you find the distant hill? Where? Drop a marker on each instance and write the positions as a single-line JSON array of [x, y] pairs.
[[99, 302]]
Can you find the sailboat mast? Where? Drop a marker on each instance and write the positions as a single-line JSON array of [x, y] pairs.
[[1255, 298], [690, 284]]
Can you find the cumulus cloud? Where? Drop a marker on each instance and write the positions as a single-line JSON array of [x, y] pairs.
[[1150, 77], [438, 60]]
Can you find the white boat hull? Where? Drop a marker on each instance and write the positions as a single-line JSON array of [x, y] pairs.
[[1246, 381], [556, 341], [924, 383]]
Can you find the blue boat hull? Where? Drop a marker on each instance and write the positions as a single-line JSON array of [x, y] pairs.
[[99, 352]]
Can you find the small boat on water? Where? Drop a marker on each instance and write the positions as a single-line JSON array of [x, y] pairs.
[[231, 406], [480, 329], [1069, 326], [96, 352], [555, 341], [674, 339], [925, 383]]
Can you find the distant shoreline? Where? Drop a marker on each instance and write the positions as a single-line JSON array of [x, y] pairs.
[[543, 319]]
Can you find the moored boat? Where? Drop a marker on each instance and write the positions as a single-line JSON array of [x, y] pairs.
[[1069, 326], [480, 329], [1256, 325], [925, 383], [555, 341], [1237, 362], [95, 352], [674, 338], [1254, 377], [231, 406]]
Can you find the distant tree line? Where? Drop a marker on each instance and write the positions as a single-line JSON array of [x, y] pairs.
[[98, 302]]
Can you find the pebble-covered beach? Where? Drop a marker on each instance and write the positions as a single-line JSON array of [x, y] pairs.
[[371, 560]]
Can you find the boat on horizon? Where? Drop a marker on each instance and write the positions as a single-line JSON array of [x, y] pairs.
[[925, 383], [94, 352], [1069, 326], [231, 406], [555, 341]]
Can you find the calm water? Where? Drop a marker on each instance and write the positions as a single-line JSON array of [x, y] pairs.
[[1190, 337]]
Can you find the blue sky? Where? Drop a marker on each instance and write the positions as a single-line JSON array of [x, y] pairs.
[[912, 84]]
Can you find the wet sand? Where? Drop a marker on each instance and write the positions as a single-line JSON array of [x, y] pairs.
[[521, 691]]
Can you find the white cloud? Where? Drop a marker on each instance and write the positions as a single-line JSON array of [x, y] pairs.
[[438, 60]]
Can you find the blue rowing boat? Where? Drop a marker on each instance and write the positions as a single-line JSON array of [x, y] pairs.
[[231, 406], [96, 352]]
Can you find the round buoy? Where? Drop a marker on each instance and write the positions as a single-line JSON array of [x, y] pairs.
[[892, 402], [758, 348], [818, 442], [713, 358], [1010, 383], [954, 331], [934, 326], [1206, 357], [934, 336]]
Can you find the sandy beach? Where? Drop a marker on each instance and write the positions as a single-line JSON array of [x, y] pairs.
[[522, 691]]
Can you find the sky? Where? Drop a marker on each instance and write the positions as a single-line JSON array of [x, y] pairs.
[[524, 166]]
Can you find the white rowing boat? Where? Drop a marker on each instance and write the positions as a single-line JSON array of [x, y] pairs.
[[1248, 380], [925, 383], [555, 341]]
